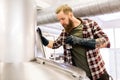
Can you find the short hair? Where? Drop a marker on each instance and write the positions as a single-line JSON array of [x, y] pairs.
[[65, 8]]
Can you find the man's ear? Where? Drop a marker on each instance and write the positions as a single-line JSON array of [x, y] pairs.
[[70, 15]]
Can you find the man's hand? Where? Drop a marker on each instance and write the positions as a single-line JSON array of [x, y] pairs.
[[39, 31], [73, 40], [45, 42]]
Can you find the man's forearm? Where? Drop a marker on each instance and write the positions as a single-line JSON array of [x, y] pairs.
[[73, 40], [50, 45]]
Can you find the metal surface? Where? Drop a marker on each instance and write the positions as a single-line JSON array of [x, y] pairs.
[[33, 71], [81, 8], [77, 73]]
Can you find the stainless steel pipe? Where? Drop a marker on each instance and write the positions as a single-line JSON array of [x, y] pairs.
[[81, 8]]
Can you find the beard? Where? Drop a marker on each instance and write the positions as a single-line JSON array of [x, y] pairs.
[[68, 27]]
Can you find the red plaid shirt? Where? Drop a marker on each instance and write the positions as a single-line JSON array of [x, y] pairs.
[[90, 30]]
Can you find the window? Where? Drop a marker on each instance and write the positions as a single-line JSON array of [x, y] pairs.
[[111, 55]]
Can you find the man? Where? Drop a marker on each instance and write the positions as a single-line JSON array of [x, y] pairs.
[[81, 40]]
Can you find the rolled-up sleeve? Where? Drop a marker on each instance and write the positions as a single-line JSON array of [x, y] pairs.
[[100, 35], [59, 41]]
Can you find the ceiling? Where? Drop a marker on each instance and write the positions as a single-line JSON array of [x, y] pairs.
[[107, 20]]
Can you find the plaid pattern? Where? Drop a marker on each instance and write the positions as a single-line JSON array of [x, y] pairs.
[[91, 30]]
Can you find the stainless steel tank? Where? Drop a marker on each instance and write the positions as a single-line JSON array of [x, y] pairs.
[[17, 22]]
